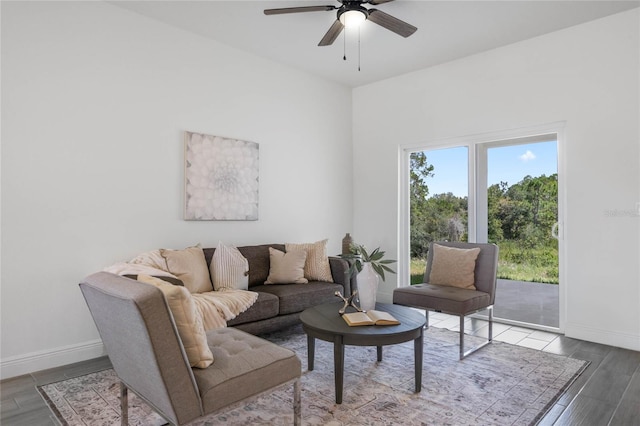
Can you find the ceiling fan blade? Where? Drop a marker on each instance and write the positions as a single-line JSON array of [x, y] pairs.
[[391, 23], [378, 1], [332, 34], [298, 9]]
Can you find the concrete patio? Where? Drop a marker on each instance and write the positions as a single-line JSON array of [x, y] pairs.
[[527, 302]]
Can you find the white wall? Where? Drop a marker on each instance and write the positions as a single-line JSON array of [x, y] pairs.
[[94, 103], [95, 99], [586, 76]]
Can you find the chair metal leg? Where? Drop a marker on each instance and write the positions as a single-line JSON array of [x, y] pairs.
[[426, 314], [297, 407], [462, 336], [464, 353], [124, 404], [490, 309]]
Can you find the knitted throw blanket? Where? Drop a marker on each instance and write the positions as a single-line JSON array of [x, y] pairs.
[[215, 307], [218, 307]]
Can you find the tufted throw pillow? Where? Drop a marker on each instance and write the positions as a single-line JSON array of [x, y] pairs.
[[453, 266], [286, 268], [316, 267], [229, 269], [190, 266], [188, 321]]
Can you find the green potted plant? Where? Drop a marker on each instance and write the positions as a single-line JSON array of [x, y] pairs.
[[370, 266], [359, 256]]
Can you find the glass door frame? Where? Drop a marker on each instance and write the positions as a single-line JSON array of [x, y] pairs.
[[477, 198]]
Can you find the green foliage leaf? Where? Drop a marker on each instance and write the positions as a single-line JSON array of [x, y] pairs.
[[360, 255]]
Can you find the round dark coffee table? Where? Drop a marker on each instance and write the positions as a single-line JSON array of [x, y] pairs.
[[325, 323]]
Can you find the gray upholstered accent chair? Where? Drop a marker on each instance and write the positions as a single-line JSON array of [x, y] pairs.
[[141, 339], [453, 300]]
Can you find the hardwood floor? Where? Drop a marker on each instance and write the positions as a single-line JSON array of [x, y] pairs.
[[21, 403], [607, 393]]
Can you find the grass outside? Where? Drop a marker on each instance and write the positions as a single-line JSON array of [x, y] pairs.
[[515, 263], [523, 261], [527, 273], [417, 267]]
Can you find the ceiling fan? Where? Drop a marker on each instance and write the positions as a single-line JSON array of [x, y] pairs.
[[352, 13]]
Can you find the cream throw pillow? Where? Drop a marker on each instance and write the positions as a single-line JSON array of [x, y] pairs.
[[286, 268], [188, 321], [190, 266], [316, 267], [453, 266], [229, 269]]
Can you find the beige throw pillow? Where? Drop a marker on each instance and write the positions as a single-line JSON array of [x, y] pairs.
[[316, 267], [190, 266], [453, 266], [286, 268], [187, 319], [229, 269]]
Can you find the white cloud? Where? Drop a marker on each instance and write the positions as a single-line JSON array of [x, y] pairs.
[[528, 156]]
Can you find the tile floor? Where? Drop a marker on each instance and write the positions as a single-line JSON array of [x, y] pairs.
[[514, 335]]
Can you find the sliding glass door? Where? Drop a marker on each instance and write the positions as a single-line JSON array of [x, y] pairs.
[[499, 191], [520, 214]]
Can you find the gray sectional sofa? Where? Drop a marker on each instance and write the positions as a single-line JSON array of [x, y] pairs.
[[280, 305]]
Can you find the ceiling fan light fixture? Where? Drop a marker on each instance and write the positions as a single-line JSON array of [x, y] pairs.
[[351, 14], [353, 18]]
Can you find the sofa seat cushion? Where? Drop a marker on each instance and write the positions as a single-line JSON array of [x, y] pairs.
[[441, 298], [298, 297], [266, 306], [242, 361]]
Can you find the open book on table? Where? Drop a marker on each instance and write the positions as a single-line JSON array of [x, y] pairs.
[[370, 318]]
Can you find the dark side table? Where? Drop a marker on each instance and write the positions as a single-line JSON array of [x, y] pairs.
[[325, 323]]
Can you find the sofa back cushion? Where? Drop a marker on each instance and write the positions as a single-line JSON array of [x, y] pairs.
[[258, 258]]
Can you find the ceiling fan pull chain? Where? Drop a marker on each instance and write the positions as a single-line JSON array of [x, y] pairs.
[[344, 46], [358, 49]]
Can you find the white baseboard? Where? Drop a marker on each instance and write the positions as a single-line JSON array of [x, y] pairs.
[[42, 360], [577, 331], [605, 337]]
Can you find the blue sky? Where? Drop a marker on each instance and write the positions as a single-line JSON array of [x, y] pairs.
[[509, 164]]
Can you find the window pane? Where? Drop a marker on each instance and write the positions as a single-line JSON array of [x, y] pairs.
[[439, 188]]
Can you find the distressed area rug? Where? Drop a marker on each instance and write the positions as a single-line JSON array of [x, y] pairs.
[[501, 384]]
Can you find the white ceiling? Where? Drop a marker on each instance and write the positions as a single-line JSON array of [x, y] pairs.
[[447, 30]]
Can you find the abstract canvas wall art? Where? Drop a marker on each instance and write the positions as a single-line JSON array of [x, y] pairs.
[[221, 178]]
